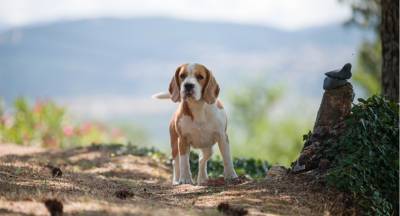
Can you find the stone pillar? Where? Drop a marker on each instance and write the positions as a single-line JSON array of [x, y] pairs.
[[335, 107]]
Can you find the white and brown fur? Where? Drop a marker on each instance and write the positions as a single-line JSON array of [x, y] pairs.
[[199, 122]]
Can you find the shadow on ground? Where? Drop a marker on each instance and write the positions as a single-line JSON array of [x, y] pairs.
[[92, 176]]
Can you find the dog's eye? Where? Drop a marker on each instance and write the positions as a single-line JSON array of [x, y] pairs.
[[182, 76], [199, 77]]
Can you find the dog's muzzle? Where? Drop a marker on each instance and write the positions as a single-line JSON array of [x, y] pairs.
[[188, 89]]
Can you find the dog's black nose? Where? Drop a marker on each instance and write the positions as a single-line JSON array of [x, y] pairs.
[[189, 86]]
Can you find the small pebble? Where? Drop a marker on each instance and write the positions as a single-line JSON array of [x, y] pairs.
[[227, 209], [54, 207], [123, 194]]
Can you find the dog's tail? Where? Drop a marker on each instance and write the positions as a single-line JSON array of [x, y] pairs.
[[161, 95]]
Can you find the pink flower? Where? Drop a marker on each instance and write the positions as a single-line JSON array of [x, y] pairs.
[[38, 107], [86, 128], [68, 131], [8, 121]]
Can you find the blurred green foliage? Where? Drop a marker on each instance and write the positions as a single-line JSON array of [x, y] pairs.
[[138, 135], [366, 14], [253, 131], [47, 124], [366, 157], [369, 64], [31, 124]]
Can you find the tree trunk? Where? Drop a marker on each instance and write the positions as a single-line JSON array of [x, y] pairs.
[[390, 49]]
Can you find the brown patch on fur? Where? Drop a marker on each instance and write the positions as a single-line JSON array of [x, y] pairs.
[[174, 85], [184, 146], [178, 144], [200, 71], [211, 89], [173, 138], [186, 110], [219, 104]]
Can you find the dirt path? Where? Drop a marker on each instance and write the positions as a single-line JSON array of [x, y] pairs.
[[94, 177]]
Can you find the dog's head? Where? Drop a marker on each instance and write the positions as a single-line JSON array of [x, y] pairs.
[[193, 82]]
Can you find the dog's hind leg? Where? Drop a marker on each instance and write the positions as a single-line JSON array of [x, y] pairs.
[[202, 176], [223, 144]]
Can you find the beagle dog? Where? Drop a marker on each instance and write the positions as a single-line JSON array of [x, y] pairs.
[[199, 122]]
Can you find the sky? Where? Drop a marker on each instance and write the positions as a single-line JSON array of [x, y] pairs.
[[283, 14]]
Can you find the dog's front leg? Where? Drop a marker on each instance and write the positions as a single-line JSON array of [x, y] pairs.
[[176, 170], [223, 144], [185, 176]]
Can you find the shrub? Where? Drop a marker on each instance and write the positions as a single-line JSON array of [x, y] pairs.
[[250, 167], [366, 156], [40, 123], [45, 123]]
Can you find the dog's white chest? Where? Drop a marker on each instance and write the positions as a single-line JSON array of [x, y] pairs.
[[200, 133]]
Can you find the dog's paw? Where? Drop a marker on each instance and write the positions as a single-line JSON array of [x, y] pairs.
[[185, 181], [202, 181], [235, 181], [230, 175]]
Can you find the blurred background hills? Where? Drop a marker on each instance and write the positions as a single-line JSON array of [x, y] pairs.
[[108, 56], [107, 68]]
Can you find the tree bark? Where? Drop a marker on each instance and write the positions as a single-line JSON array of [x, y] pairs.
[[390, 49]]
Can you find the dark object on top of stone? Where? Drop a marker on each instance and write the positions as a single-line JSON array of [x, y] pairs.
[[331, 83], [342, 74], [337, 78], [54, 206]]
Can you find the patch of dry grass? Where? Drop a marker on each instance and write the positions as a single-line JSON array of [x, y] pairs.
[[93, 176]]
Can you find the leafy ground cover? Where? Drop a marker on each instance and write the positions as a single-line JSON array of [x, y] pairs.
[[366, 157]]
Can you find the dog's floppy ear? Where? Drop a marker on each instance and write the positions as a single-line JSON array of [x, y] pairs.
[[174, 86], [211, 89]]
